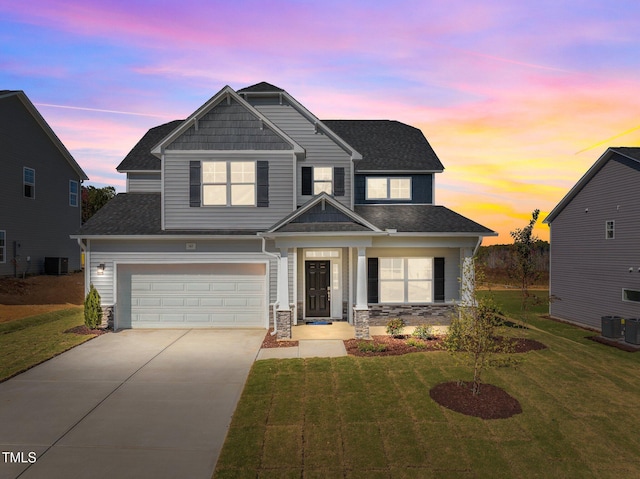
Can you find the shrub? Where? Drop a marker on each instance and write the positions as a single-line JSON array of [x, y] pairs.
[[395, 327], [416, 343], [92, 309], [423, 331], [371, 347]]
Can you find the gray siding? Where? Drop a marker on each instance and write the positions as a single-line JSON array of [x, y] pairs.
[[144, 183], [40, 226], [179, 215], [588, 272], [320, 149], [162, 252], [229, 126]]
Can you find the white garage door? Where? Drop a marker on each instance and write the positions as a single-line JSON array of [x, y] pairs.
[[197, 300]]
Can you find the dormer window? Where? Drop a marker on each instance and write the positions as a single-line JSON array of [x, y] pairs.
[[388, 188]]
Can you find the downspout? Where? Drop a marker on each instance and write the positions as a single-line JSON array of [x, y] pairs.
[[475, 250], [87, 273], [275, 304]]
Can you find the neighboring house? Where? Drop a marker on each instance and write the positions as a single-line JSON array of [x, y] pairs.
[[595, 243], [40, 186], [253, 208]]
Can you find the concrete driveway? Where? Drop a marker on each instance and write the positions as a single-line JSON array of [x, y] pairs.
[[132, 404]]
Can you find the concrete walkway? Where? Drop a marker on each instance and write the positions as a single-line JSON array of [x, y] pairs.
[[132, 404], [307, 348]]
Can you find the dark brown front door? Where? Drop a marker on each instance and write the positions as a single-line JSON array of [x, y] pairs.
[[317, 281]]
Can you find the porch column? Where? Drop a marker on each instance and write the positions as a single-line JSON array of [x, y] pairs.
[[361, 310], [283, 311], [361, 288]]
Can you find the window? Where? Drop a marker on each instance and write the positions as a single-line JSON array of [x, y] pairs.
[[631, 295], [385, 188], [73, 193], [29, 182], [229, 183], [322, 180], [406, 280], [3, 246], [610, 230]]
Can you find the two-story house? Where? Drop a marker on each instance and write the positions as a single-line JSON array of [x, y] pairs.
[[253, 209], [40, 186], [595, 243]]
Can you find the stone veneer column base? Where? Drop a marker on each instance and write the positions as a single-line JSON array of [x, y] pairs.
[[283, 323], [107, 317], [361, 323]]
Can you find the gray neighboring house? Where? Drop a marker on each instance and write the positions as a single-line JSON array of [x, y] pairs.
[[40, 185], [595, 242], [253, 209]]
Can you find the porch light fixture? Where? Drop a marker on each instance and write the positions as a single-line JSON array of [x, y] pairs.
[[100, 269]]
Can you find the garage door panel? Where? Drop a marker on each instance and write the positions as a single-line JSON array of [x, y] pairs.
[[199, 300]]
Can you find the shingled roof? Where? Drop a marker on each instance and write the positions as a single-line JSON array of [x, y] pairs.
[[140, 157], [139, 214], [134, 214], [420, 219], [387, 145], [262, 87]]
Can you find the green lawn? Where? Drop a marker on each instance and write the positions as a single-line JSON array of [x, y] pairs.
[[30, 341], [373, 417]]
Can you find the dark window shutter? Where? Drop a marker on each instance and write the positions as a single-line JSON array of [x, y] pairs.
[[307, 180], [372, 280], [338, 179], [262, 180], [438, 279], [194, 183]]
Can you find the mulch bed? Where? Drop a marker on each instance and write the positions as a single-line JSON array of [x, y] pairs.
[[491, 402], [630, 348], [398, 346], [272, 342], [395, 346], [84, 330]]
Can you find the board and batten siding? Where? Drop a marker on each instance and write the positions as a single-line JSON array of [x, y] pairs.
[[179, 215], [41, 225], [588, 271], [320, 149], [144, 183]]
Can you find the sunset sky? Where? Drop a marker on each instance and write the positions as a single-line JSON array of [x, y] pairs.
[[517, 101]]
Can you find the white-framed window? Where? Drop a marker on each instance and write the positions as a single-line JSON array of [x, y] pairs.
[[406, 280], [229, 183], [388, 188], [631, 295], [610, 229], [29, 182], [73, 193], [322, 180], [3, 246]]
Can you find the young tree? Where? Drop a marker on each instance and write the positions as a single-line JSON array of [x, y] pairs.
[[473, 328], [92, 309], [523, 268]]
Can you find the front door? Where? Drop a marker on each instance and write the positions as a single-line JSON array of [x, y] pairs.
[[318, 303]]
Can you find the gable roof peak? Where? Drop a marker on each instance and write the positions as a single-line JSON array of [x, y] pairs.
[[262, 87]]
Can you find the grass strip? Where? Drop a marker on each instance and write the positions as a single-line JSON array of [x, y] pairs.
[[37, 339]]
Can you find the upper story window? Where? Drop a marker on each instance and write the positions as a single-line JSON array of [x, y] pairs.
[[388, 188], [29, 182], [73, 193], [228, 183], [610, 229], [322, 180], [3, 246]]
